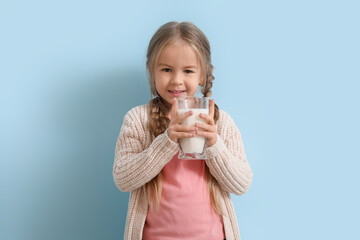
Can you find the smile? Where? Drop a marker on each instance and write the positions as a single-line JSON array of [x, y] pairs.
[[176, 93]]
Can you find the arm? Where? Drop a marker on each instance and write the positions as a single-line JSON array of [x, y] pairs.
[[134, 166], [226, 159]]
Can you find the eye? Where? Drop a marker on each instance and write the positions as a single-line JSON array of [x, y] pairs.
[[188, 71], [166, 70]]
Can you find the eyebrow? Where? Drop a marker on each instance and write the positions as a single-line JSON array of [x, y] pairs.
[[191, 67], [163, 64], [167, 65]]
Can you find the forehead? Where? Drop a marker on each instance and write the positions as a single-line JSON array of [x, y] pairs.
[[179, 53]]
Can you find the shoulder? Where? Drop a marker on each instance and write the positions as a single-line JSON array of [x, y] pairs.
[[224, 117], [137, 116], [141, 111], [225, 124]]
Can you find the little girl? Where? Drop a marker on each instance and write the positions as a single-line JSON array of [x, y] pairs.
[[171, 198]]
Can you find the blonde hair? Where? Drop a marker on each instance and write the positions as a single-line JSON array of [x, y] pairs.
[[158, 121]]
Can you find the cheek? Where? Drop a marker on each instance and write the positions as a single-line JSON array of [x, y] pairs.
[[199, 79], [202, 79], [159, 82], [160, 76], [157, 79], [193, 85]]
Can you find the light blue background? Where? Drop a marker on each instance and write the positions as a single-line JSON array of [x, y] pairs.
[[286, 71]]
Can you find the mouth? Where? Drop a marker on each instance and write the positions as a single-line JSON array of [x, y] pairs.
[[176, 93]]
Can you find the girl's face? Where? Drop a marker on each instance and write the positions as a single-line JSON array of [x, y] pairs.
[[178, 72]]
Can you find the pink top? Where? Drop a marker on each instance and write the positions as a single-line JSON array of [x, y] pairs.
[[185, 210]]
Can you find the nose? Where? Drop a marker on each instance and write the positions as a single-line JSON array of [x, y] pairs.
[[177, 78]]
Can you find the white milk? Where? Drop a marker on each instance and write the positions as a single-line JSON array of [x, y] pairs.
[[194, 144]]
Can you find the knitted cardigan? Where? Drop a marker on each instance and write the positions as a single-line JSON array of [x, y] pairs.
[[139, 158]]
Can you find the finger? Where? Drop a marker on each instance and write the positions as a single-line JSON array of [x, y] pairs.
[[210, 138], [208, 135], [181, 117], [208, 119], [212, 108], [183, 128], [173, 135], [174, 108], [205, 127], [184, 135]]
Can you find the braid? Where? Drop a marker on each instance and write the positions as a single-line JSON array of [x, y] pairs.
[[158, 120], [212, 183], [157, 123], [208, 84], [207, 89]]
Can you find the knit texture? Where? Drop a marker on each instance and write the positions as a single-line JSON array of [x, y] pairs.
[[138, 159]]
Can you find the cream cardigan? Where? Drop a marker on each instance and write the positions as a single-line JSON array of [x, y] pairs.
[[138, 159]]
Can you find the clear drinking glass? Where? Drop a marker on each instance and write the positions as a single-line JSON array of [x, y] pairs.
[[193, 148]]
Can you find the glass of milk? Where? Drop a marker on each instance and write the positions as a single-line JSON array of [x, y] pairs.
[[193, 148]]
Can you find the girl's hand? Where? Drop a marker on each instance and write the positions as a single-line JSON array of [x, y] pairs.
[[208, 129], [175, 129]]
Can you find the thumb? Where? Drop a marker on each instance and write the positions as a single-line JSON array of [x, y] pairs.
[[212, 108], [174, 108]]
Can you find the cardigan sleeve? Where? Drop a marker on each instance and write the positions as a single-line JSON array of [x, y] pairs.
[[226, 159], [134, 166]]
